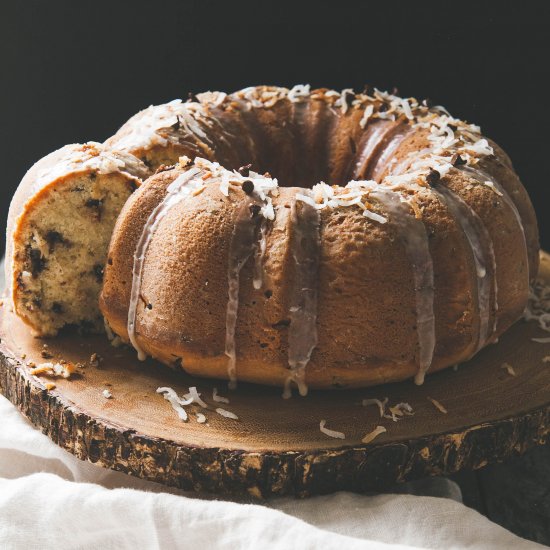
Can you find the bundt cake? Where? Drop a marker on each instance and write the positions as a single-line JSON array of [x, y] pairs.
[[315, 238], [59, 226]]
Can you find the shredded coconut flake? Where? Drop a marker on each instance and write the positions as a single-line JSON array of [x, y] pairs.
[[218, 398], [107, 394], [201, 419], [493, 188], [371, 436], [227, 414], [330, 433], [438, 405], [399, 411], [195, 397], [380, 404], [541, 340], [508, 368], [177, 404]]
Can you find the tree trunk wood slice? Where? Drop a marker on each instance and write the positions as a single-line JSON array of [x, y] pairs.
[[276, 447]]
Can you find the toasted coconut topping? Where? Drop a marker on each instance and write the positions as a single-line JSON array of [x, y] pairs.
[[508, 368], [371, 436], [227, 414], [94, 157], [218, 398], [177, 403], [399, 411], [54, 370], [450, 138], [330, 433], [380, 404], [493, 188], [438, 405], [195, 397], [201, 419], [263, 187]]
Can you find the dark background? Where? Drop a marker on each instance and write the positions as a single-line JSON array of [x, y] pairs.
[[74, 71]]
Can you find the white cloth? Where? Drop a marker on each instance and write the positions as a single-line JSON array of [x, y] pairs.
[[49, 499]]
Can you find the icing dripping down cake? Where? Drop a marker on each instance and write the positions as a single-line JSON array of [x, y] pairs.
[[297, 237]]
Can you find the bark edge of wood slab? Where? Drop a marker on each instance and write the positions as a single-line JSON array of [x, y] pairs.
[[276, 447]]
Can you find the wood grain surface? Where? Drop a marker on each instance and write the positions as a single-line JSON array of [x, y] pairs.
[[276, 446]]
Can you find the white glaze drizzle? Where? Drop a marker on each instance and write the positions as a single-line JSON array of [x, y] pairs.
[[302, 332], [243, 245], [373, 139], [483, 176], [415, 239], [178, 190], [259, 256], [389, 150], [476, 234]]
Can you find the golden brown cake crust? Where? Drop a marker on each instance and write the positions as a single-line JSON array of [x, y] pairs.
[[367, 295]]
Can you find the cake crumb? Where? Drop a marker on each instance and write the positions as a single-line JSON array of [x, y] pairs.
[[95, 360], [509, 369], [437, 405], [45, 353], [50, 386], [56, 370]]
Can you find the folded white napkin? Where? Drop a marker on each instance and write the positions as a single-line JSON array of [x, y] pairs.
[[49, 499]]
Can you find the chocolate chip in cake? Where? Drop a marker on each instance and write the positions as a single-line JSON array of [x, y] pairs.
[[149, 306], [57, 307], [268, 293], [282, 323], [38, 262], [53, 238], [457, 160], [95, 205], [165, 168], [177, 124], [98, 272], [248, 187], [255, 210], [245, 170], [433, 178]]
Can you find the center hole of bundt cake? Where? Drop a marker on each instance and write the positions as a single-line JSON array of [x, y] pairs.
[[304, 160]]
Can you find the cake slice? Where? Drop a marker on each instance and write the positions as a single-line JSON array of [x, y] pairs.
[[59, 226]]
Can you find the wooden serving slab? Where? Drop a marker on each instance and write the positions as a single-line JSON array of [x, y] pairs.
[[276, 446]]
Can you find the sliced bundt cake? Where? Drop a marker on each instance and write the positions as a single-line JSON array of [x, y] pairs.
[[60, 223]]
